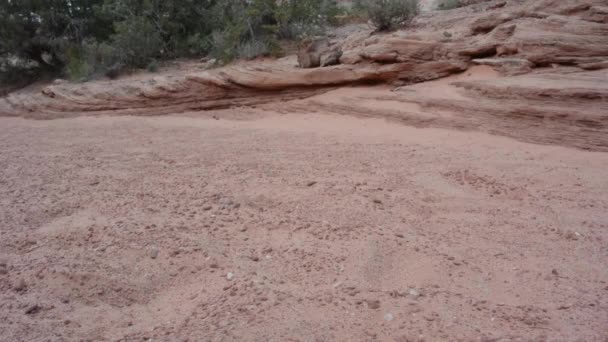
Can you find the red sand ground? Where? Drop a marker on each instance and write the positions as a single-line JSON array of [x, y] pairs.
[[296, 228]]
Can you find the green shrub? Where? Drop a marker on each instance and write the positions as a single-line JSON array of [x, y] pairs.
[[92, 59], [78, 69], [251, 29], [387, 14], [243, 29], [136, 43], [449, 4], [198, 44], [301, 13], [252, 49], [139, 41], [224, 45]]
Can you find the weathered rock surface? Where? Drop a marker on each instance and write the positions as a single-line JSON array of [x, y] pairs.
[[319, 53], [566, 107], [533, 44]]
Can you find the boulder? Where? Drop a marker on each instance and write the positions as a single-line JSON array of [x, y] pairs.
[[318, 53]]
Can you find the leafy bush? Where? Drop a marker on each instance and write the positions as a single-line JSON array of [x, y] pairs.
[[387, 14], [449, 4]]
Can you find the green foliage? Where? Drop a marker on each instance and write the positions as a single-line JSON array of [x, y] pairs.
[[40, 34], [253, 48], [197, 44], [77, 67], [245, 28], [15, 71], [138, 40], [249, 29], [175, 23], [302, 13], [449, 4], [387, 14], [299, 19], [41, 30], [84, 38], [91, 59]]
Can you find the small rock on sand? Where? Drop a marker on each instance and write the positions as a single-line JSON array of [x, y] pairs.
[[20, 285], [32, 309], [373, 304], [154, 252]]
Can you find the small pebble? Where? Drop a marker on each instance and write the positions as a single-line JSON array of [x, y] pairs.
[[154, 252], [230, 276], [388, 317], [33, 309], [373, 304], [20, 285]]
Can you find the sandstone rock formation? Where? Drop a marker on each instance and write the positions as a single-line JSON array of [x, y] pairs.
[[552, 56], [319, 53]]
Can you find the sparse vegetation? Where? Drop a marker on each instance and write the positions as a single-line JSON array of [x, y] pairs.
[[388, 14]]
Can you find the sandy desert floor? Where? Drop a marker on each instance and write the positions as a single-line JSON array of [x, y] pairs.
[[298, 227]]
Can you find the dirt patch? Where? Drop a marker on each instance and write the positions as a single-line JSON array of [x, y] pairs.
[[296, 227]]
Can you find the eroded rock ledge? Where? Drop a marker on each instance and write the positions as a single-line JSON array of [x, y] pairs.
[[558, 48]]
